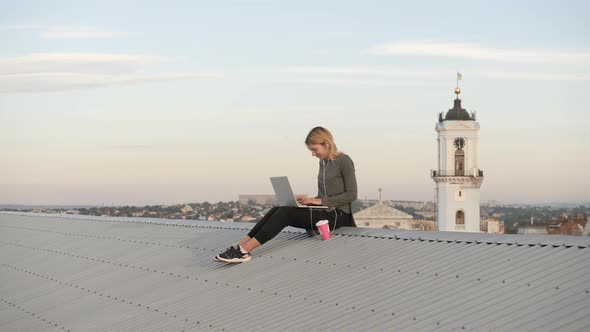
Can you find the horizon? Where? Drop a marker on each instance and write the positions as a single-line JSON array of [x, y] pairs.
[[192, 101], [484, 204]]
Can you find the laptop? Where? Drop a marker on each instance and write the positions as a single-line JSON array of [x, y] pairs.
[[285, 196]]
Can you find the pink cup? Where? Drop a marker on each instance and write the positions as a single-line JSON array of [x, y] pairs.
[[324, 228]]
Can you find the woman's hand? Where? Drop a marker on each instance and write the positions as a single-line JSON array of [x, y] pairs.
[[309, 200]]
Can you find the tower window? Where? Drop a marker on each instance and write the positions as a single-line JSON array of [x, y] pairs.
[[460, 218], [459, 193], [459, 163]]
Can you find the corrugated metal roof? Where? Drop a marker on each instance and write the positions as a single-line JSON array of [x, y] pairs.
[[83, 273]]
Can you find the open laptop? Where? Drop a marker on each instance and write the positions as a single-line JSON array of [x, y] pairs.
[[285, 196]]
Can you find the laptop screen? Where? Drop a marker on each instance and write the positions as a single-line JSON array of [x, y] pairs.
[[283, 191]]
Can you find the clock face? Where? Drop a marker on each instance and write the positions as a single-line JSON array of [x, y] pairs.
[[459, 143]]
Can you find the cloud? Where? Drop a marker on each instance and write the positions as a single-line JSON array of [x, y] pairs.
[[368, 71], [78, 63], [531, 76], [341, 82], [67, 71], [45, 82], [392, 75], [476, 52], [50, 32]]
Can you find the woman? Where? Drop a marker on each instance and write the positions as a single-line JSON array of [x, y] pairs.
[[336, 189]]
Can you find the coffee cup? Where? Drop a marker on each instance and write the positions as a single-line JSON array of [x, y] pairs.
[[324, 227]]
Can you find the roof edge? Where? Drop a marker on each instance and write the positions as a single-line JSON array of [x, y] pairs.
[[383, 233]]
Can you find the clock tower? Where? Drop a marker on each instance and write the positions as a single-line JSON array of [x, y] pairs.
[[458, 177]]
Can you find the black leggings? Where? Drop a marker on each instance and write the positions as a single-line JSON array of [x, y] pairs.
[[280, 217]]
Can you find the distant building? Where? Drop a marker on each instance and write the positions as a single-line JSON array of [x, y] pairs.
[[492, 226], [409, 204], [491, 203], [186, 209], [457, 177], [429, 206], [426, 214], [567, 225], [247, 219], [424, 225], [383, 216], [257, 199], [532, 229]]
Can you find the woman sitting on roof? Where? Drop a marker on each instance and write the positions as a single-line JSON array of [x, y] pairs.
[[336, 189]]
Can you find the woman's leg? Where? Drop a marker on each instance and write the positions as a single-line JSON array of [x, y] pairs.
[[259, 224], [269, 226], [283, 217], [244, 240], [249, 244], [294, 217]]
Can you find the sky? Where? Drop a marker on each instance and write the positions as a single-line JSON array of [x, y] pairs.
[[163, 102]]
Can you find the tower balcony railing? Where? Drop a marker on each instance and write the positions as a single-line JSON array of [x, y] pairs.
[[474, 172]]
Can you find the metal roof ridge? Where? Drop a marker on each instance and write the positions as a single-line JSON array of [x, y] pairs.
[[459, 237], [465, 237]]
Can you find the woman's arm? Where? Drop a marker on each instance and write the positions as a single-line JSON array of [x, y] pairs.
[[309, 200]]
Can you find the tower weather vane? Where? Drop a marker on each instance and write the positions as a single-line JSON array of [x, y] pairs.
[[457, 89]]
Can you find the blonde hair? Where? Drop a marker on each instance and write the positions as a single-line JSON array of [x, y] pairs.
[[321, 135]]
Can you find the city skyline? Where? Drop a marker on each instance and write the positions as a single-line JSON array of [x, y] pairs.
[[133, 103]]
